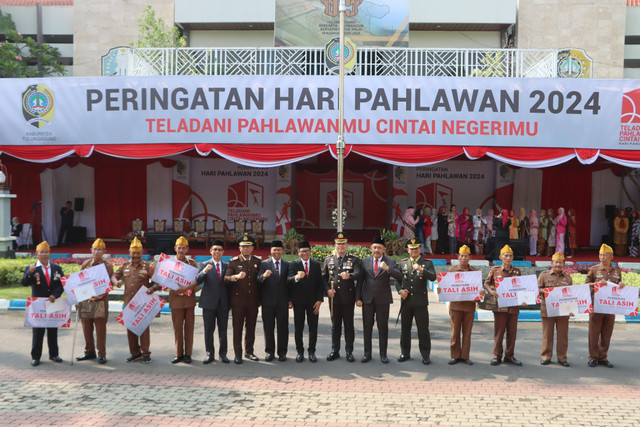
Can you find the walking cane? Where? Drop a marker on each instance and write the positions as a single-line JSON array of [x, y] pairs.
[[75, 333]]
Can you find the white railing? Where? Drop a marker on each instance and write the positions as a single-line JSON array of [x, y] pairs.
[[370, 62]]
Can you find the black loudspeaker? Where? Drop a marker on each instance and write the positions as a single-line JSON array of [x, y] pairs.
[[158, 243], [78, 206], [609, 211], [520, 248]]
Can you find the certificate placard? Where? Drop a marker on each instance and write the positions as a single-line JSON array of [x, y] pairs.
[[563, 300], [460, 286], [84, 284], [513, 291], [36, 315], [138, 314], [173, 274], [610, 299]]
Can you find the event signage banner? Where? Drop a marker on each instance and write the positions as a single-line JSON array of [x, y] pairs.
[[498, 112], [610, 299], [311, 23], [139, 313], [38, 314], [514, 291], [460, 286], [84, 284], [566, 300], [173, 274]]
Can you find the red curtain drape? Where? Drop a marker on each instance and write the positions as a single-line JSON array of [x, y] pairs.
[[570, 188], [121, 195], [25, 184]]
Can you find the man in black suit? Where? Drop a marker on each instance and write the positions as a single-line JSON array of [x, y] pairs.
[[373, 294], [214, 301], [44, 279], [306, 293], [340, 272], [272, 275]]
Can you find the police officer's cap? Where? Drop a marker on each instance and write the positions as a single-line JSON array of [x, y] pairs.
[[340, 237], [246, 240], [413, 243]]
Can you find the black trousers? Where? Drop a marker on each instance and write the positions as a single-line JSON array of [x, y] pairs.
[[379, 312], [38, 337], [244, 316], [342, 314], [65, 230], [270, 315], [210, 318], [421, 314], [299, 313]]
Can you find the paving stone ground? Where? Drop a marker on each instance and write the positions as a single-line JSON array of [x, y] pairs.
[[322, 394]]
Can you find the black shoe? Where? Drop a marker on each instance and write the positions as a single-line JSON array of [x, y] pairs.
[[35, 362], [605, 363], [56, 359], [269, 357], [102, 360], [426, 360], [366, 358], [299, 357], [86, 356], [187, 359], [251, 356], [133, 358], [177, 359], [513, 361], [146, 360], [593, 363], [384, 359], [313, 358], [494, 362], [350, 358], [565, 363], [237, 360], [403, 358], [333, 356], [224, 358], [208, 359], [453, 361], [282, 358], [468, 362], [545, 362]]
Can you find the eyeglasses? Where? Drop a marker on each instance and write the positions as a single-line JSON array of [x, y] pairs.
[[304, 250], [217, 250]]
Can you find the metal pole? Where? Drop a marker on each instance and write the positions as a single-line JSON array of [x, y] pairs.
[[340, 143]]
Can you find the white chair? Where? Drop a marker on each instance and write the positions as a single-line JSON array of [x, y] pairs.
[[24, 239]]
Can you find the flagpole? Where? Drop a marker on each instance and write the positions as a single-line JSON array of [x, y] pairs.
[[340, 143]]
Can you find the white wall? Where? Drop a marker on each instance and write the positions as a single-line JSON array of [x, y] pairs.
[[256, 38], [455, 39]]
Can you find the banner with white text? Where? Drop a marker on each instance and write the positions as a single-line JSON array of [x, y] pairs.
[[610, 299], [84, 284], [139, 313], [567, 300], [514, 291], [497, 112], [173, 274], [460, 286], [38, 313]]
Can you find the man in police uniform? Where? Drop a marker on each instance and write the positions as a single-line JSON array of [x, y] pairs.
[[415, 300], [461, 313], [600, 324], [241, 275], [505, 319], [134, 275], [97, 251], [551, 279], [44, 279], [182, 304], [340, 272]]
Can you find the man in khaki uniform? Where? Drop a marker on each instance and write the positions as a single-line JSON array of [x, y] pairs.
[[601, 325], [97, 251], [551, 279], [461, 313], [134, 275], [242, 277], [182, 309], [505, 319]]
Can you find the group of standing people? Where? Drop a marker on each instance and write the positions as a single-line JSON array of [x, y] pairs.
[[626, 232], [444, 232]]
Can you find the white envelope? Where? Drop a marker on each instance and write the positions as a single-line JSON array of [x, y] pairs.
[[83, 293], [53, 307], [527, 297], [567, 308]]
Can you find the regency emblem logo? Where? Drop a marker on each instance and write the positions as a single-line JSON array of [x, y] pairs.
[[37, 105]]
